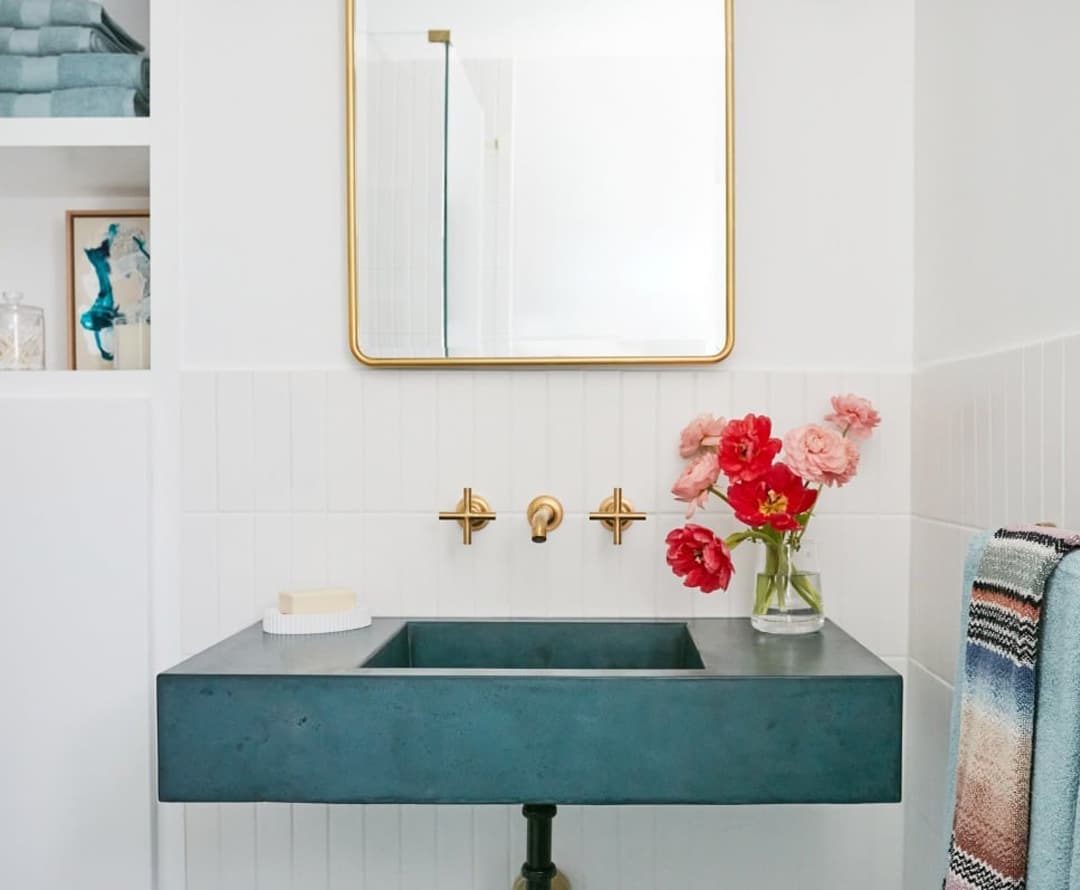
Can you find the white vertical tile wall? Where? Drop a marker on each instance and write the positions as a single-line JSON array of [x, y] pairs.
[[314, 477], [991, 438]]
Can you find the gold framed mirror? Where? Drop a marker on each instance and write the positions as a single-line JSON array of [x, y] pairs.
[[540, 184]]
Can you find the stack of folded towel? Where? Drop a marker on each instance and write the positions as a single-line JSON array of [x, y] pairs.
[[69, 58]]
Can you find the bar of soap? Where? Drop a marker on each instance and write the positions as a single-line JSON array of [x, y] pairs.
[[316, 602]]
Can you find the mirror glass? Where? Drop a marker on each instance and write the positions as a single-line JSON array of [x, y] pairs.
[[541, 178]]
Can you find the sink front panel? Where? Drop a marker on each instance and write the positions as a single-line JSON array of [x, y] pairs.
[[540, 645]]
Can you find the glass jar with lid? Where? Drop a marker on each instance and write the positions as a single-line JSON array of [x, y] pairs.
[[22, 334]]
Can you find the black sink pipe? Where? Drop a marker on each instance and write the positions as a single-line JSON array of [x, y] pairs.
[[538, 869]]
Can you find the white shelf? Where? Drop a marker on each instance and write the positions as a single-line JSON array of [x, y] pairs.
[[74, 384], [32, 132]]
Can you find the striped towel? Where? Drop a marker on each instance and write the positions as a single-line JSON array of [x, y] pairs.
[[988, 848]]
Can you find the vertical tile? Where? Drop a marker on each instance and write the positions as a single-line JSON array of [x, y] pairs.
[[345, 549], [420, 589], [455, 849], [1001, 468], [310, 845], [491, 850], [382, 848], [530, 580], [308, 401], [383, 576], [1072, 432], [198, 446], [894, 444], [983, 458], [1053, 455], [273, 558], [454, 412], [235, 442], [417, 438], [786, 403], [202, 845], [309, 556], [602, 457], [381, 449], [600, 859], [675, 409], [198, 583], [236, 571], [345, 440], [493, 461], [929, 710], [564, 597], [420, 842], [1032, 464], [1016, 499], [346, 847], [565, 437], [566, 840], [637, 862], [638, 442], [749, 393], [527, 441], [273, 441], [273, 838], [238, 850]]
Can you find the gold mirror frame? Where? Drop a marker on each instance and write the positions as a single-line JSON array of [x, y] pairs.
[[533, 361]]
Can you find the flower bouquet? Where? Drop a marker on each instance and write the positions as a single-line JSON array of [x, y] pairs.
[[772, 487]]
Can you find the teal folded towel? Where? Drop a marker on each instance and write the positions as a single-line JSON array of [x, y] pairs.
[[46, 13], [85, 102], [43, 74], [57, 41], [1054, 839]]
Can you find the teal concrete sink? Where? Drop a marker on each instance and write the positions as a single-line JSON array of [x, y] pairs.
[[577, 712], [539, 646]]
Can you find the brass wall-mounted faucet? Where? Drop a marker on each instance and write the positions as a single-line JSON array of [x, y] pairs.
[[616, 514], [544, 513], [472, 513]]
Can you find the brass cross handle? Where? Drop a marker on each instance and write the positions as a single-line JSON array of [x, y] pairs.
[[472, 513], [617, 515]]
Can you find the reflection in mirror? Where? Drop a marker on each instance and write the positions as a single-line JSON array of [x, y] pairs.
[[542, 179]]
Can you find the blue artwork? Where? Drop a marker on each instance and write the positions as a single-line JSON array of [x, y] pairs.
[[120, 254]]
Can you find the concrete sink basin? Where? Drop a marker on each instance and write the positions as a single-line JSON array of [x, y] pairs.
[[577, 712]]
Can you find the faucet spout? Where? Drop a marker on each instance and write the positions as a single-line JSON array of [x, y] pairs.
[[544, 514]]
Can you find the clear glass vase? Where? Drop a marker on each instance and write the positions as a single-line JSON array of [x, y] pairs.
[[787, 593]]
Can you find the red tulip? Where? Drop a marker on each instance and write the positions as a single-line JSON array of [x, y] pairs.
[[775, 499], [746, 450], [699, 556]]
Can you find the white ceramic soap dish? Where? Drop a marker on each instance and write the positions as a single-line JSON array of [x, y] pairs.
[[274, 622]]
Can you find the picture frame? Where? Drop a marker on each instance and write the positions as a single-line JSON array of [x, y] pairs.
[[108, 279]]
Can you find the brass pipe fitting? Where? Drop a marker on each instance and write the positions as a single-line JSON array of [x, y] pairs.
[[544, 514]]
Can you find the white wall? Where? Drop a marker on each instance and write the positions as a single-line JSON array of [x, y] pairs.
[[301, 467], [996, 278], [75, 643], [998, 185], [824, 109]]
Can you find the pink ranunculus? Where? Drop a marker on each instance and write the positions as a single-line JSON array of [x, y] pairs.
[[702, 432], [693, 485], [822, 455], [854, 415]]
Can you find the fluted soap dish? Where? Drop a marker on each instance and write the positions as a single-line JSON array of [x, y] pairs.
[[275, 622]]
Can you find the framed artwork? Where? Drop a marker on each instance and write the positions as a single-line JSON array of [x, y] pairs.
[[108, 288]]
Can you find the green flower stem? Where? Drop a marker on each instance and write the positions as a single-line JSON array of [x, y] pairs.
[[806, 590]]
